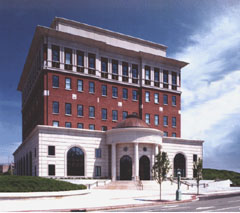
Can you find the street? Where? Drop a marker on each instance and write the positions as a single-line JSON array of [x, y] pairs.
[[224, 204]]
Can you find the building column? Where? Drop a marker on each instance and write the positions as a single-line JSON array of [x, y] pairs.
[[156, 149], [136, 161], [113, 162]]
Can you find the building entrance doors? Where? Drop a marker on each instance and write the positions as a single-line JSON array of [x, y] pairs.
[[180, 164], [126, 168], [144, 168]]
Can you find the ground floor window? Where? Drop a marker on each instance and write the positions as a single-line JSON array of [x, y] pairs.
[[51, 170], [97, 171]]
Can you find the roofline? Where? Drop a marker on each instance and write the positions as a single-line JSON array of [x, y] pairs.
[[105, 31]]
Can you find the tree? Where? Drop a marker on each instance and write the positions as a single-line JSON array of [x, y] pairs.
[[197, 170], [160, 168]]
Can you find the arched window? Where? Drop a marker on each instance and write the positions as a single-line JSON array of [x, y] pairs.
[[75, 162], [180, 163]]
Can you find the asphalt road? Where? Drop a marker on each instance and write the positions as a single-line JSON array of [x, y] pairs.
[[213, 204]]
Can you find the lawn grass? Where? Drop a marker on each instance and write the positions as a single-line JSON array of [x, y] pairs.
[[214, 174], [12, 183]]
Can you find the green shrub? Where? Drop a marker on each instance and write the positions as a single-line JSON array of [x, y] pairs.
[[12, 183]]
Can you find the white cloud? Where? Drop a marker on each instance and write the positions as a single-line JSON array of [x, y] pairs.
[[211, 83]]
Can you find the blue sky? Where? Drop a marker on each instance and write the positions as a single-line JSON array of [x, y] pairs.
[[204, 33]]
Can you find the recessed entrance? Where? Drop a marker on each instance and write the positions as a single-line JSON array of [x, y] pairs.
[[180, 163], [75, 162], [126, 168], [144, 168]]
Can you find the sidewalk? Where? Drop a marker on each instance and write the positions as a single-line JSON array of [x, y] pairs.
[[100, 199]]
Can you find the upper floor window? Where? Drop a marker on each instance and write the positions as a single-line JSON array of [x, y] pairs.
[[80, 61], [68, 59], [55, 56], [147, 96], [55, 107], [80, 125], [165, 79], [55, 81], [51, 150], [56, 123], [165, 134], [156, 77], [104, 90], [173, 121], [174, 81], [104, 67], [124, 115], [68, 83], [147, 118], [156, 98], [156, 120], [80, 85], [147, 75], [125, 72], [165, 120], [114, 115], [134, 95], [174, 134], [115, 69], [68, 109], [165, 99], [174, 102], [98, 153], [68, 124], [114, 92], [91, 87], [125, 93], [80, 110], [91, 112], [104, 114], [91, 126], [135, 73], [104, 128], [91, 64]]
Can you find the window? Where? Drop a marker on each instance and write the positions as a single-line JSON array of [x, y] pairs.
[[194, 158], [174, 81], [104, 90], [68, 124], [114, 115], [91, 87], [80, 61], [68, 109], [174, 134], [104, 128], [156, 74], [174, 101], [91, 126], [165, 120], [156, 120], [97, 170], [51, 170], [91, 64], [156, 98], [114, 92], [68, 84], [68, 59], [135, 73], [134, 95], [98, 153], [80, 125], [147, 118], [173, 121], [51, 150], [165, 134], [147, 75], [147, 96], [124, 115], [55, 56], [91, 112], [56, 123], [55, 107], [125, 72], [114, 69], [104, 67], [165, 99], [80, 85], [165, 79], [104, 114], [55, 81], [125, 93], [80, 110]]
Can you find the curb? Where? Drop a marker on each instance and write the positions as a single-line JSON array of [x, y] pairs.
[[218, 195]]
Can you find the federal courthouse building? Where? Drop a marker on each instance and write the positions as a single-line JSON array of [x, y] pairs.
[[100, 104]]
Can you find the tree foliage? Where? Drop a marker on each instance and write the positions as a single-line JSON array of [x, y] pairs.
[[197, 167]]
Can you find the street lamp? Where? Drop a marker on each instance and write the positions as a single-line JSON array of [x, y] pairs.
[[178, 192]]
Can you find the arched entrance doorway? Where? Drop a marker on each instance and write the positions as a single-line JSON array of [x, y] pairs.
[[144, 168], [180, 163], [126, 168], [75, 162]]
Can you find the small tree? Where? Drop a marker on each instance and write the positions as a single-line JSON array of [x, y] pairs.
[[160, 169], [197, 169]]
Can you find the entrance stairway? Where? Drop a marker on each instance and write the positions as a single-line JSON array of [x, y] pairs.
[[130, 185]]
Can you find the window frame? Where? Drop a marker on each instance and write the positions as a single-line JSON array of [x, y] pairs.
[[147, 96], [68, 109], [80, 85], [125, 93], [104, 90], [114, 115], [55, 81], [165, 120], [68, 85], [51, 151], [104, 114], [91, 85], [91, 112], [156, 123], [80, 108], [156, 100], [55, 106], [114, 92]]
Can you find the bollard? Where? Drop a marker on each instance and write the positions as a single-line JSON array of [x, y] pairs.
[[178, 192]]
